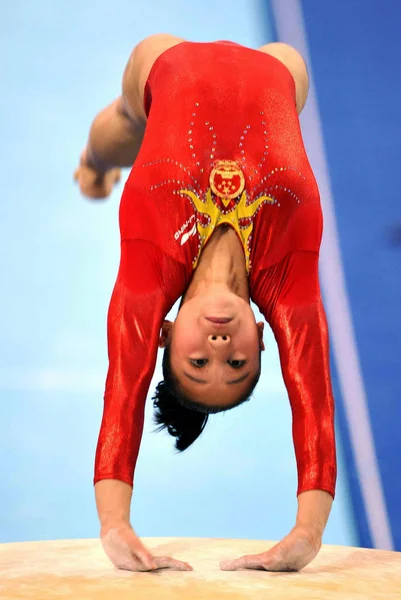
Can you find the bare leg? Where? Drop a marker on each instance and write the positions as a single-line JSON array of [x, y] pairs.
[[138, 69], [295, 64], [117, 131]]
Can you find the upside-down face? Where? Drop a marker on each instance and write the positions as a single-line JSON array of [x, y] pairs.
[[215, 346]]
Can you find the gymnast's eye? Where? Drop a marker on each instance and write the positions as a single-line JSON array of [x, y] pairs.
[[198, 362], [236, 364]]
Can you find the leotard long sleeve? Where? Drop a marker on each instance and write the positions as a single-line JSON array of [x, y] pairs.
[[222, 145], [288, 296], [138, 305]]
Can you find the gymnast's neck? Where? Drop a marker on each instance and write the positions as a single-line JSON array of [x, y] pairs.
[[221, 266]]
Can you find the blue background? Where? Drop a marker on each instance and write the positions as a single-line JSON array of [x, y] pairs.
[[356, 52], [61, 63]]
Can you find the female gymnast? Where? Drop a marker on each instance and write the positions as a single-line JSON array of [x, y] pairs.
[[221, 207]]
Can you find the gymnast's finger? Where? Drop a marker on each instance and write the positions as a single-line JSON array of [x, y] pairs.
[[167, 562], [245, 562], [144, 560], [230, 565], [141, 553]]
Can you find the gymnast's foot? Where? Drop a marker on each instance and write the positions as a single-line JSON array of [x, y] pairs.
[[93, 183]]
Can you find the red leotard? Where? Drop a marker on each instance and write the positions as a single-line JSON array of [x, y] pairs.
[[207, 103]]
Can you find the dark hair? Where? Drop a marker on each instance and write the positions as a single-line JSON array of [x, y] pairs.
[[184, 418]]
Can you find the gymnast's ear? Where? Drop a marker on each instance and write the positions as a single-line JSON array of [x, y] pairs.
[[261, 327], [165, 333]]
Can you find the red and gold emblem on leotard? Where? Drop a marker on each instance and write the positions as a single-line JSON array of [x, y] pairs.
[[225, 202], [230, 198], [227, 180]]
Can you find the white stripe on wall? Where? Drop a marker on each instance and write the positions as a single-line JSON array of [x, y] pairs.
[[291, 30]]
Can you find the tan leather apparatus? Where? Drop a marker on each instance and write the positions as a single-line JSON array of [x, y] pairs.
[[79, 569]]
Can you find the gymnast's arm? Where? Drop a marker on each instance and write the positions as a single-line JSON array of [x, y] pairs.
[[135, 315], [148, 284], [288, 295]]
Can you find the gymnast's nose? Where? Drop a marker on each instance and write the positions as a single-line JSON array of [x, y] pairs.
[[218, 340]]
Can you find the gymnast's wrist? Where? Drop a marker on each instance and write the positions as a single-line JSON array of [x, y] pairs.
[[109, 522], [314, 508], [113, 501]]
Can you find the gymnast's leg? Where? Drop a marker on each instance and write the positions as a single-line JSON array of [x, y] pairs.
[[295, 64]]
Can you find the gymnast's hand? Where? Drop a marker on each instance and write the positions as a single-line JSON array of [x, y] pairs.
[[293, 553], [126, 551], [94, 183]]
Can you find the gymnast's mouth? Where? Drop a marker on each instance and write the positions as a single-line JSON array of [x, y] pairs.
[[219, 320]]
